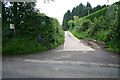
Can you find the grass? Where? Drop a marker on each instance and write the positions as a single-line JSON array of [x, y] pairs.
[[26, 45], [22, 45], [84, 35]]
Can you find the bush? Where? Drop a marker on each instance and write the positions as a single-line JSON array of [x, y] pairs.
[[85, 24], [71, 24], [104, 27], [26, 38]]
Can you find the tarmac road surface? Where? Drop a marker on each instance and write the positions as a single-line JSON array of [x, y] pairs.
[[71, 60]]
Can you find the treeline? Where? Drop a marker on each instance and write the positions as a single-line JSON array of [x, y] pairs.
[[80, 11], [103, 25], [34, 32]]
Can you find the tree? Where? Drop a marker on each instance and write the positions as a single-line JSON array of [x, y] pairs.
[[88, 4], [79, 11], [103, 6], [17, 12], [74, 11], [67, 17]]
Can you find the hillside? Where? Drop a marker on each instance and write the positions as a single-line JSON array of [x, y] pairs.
[[80, 11], [102, 25]]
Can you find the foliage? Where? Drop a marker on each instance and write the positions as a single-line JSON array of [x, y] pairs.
[[66, 18], [102, 25], [22, 45], [85, 25], [26, 39], [71, 24], [97, 14], [76, 20], [81, 24], [79, 35], [80, 11], [16, 12]]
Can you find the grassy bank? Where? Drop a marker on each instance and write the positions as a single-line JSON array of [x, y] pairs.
[[102, 26], [22, 45]]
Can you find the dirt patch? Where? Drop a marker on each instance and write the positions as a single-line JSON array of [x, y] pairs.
[[94, 44]]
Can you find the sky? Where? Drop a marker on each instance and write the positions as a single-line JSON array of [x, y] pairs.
[[58, 8]]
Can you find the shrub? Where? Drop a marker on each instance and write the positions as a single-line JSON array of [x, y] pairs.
[[84, 25], [71, 24], [105, 27], [26, 38]]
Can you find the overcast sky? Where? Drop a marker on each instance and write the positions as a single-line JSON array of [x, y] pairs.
[[58, 8]]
